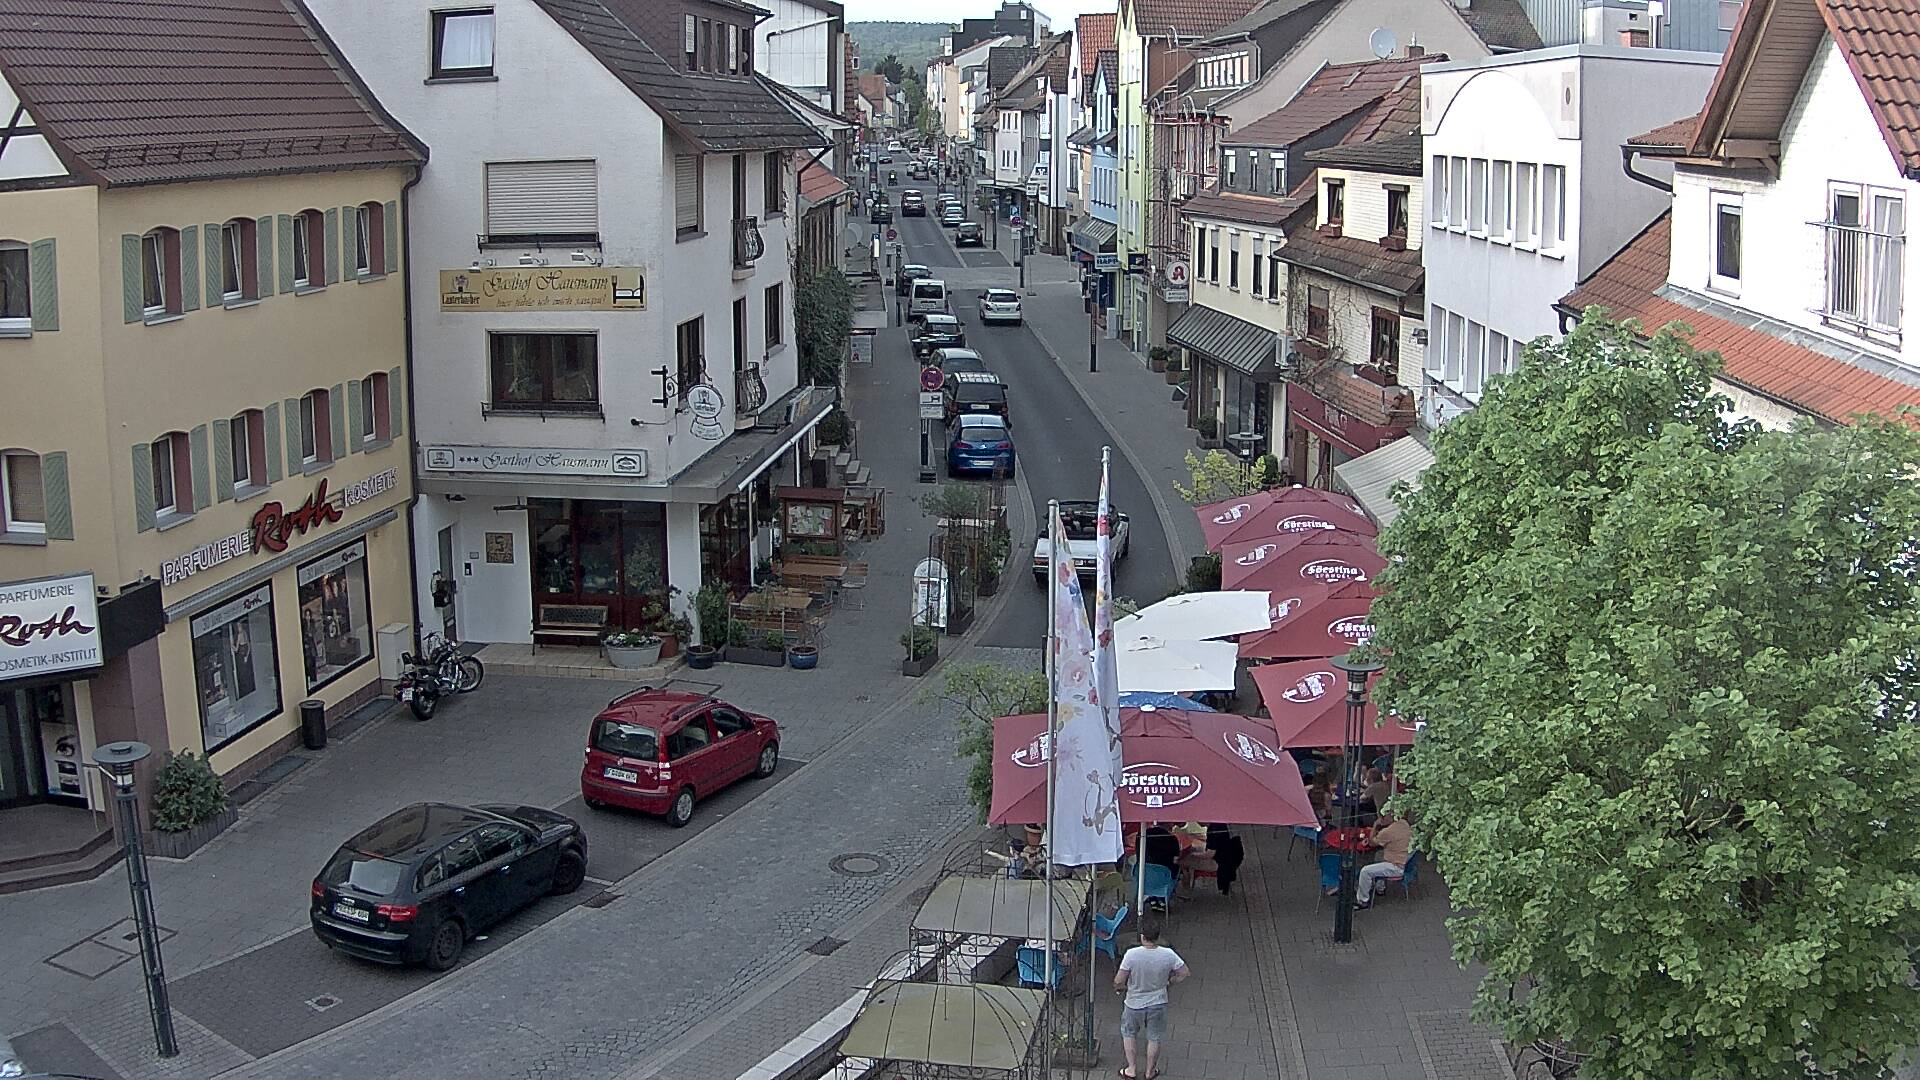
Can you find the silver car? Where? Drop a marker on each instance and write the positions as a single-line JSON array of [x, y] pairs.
[[999, 305]]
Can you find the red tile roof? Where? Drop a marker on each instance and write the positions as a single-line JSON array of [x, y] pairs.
[[1881, 41], [1627, 285], [1675, 136], [157, 91], [1096, 33], [1187, 18], [819, 183], [1338, 91]]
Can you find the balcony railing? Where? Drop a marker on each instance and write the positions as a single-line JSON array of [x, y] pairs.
[[749, 391], [1865, 275], [747, 245]]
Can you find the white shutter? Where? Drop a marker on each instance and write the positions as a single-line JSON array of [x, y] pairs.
[[686, 191], [525, 197]]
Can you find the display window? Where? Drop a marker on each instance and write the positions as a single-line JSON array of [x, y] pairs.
[[335, 614], [236, 666]]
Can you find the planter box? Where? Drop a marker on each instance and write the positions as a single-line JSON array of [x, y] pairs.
[[669, 646], [1172, 374], [1156, 365], [745, 654], [700, 657], [1209, 443], [916, 668], [632, 656], [179, 845]]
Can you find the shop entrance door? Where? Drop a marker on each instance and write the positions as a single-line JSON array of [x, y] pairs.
[[447, 618], [39, 747]]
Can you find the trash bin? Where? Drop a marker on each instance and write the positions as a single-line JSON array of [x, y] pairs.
[[313, 724]]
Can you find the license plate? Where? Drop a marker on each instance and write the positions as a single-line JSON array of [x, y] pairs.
[[406, 694], [351, 913], [626, 775]]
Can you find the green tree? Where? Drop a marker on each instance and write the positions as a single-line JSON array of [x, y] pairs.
[[890, 66], [1670, 767], [1218, 475], [916, 95], [823, 321], [979, 692]]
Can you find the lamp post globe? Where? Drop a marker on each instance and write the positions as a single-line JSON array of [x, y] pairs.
[[1358, 671]]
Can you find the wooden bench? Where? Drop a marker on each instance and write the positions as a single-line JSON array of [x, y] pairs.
[[811, 572], [571, 624]]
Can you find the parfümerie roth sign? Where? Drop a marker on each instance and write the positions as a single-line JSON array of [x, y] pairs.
[[48, 626]]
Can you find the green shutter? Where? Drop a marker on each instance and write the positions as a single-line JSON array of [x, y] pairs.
[[43, 277], [286, 259], [330, 246], [202, 484], [295, 460], [213, 242], [392, 251], [190, 268], [272, 426], [396, 404], [263, 256], [59, 501], [223, 459], [142, 485], [354, 418], [131, 292], [336, 397], [349, 225]]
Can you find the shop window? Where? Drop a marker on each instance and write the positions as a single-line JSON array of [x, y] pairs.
[[172, 477], [247, 450], [160, 273], [335, 614], [369, 240], [23, 502], [239, 265], [235, 667], [463, 44], [316, 428], [545, 372]]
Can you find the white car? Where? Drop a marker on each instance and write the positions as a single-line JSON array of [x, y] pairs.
[[952, 215], [1000, 305], [1082, 522]]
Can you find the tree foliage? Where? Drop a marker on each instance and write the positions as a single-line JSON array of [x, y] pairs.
[[1670, 768], [979, 692], [823, 321], [1219, 475], [890, 67]]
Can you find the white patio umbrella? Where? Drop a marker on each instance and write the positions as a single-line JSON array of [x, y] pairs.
[[1151, 663], [1199, 616]]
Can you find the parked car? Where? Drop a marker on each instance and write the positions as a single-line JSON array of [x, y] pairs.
[[10, 1063], [415, 886], [920, 172], [952, 215], [927, 296], [1000, 305], [969, 234], [955, 360], [979, 443], [937, 332], [904, 278], [913, 204], [1081, 519], [658, 751], [975, 392], [882, 213]]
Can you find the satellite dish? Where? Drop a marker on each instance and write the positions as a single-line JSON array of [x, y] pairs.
[[1383, 43], [1463, 4]]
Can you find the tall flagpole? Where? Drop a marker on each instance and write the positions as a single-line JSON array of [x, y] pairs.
[[1053, 722]]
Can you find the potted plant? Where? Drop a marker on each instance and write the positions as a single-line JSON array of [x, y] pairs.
[[767, 650], [677, 632], [834, 429], [631, 648], [923, 650], [803, 657], [1209, 427], [1175, 371], [1157, 358], [189, 807]]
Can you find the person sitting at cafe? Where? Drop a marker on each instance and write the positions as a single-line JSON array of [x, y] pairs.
[[1374, 790], [1394, 838], [1320, 795], [1163, 848]]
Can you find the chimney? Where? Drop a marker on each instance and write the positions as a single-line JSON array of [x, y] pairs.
[[1415, 51]]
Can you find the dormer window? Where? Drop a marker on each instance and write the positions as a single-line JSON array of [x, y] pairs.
[[1336, 198], [1725, 212]]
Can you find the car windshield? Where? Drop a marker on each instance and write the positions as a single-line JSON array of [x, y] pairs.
[[982, 428], [972, 392], [1002, 296], [627, 740], [942, 322], [955, 364], [969, 228], [362, 873], [934, 291]]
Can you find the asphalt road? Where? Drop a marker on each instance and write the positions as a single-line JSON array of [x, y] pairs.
[[1057, 439]]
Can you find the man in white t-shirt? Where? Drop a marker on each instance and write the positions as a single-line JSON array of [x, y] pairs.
[[1145, 973]]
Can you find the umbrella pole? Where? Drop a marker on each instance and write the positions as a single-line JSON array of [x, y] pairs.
[[1140, 877], [1053, 720]]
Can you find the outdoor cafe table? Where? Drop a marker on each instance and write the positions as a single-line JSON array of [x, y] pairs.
[[775, 601], [1352, 839]]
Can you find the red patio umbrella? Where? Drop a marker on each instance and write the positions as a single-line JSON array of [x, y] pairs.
[[1308, 702], [1281, 512], [1314, 621], [1319, 558], [1180, 766]]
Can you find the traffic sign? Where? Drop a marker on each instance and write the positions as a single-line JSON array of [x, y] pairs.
[[931, 406], [893, 234], [932, 379]]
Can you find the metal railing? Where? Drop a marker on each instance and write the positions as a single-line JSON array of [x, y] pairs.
[[747, 244], [1865, 275]]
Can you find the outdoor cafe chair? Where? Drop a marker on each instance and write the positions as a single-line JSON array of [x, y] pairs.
[[1033, 966], [1299, 833], [1106, 931], [1159, 884]]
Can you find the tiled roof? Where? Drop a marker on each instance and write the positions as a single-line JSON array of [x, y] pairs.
[[157, 91], [1359, 261], [819, 183], [1110, 63], [1261, 16], [1335, 92], [1057, 66], [873, 87], [1400, 154], [1004, 62], [1187, 18], [1096, 33], [1252, 209], [1881, 41], [1675, 136], [1501, 25], [1628, 287]]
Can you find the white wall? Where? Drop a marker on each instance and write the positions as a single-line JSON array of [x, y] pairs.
[[794, 49], [493, 601], [27, 155], [1261, 310]]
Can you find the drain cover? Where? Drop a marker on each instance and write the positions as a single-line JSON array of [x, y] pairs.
[[322, 1003], [825, 946], [859, 864], [601, 900]]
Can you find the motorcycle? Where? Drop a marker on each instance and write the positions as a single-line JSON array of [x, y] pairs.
[[443, 670], [893, 176]]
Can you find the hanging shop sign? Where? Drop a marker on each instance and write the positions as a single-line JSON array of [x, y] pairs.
[[274, 527], [49, 626], [544, 288], [1106, 260], [533, 461], [706, 405]]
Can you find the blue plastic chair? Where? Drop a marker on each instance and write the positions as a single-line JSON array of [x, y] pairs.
[[1106, 931], [1411, 876], [1159, 884], [1302, 832], [1329, 870], [1033, 966]]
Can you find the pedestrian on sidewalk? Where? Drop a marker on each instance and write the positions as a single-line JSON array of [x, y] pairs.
[[1146, 972]]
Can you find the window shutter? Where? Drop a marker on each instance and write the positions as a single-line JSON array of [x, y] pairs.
[[349, 225], [336, 399], [202, 487], [353, 416], [286, 258], [330, 245], [213, 238], [272, 426], [223, 459], [263, 255], [54, 492], [131, 293], [43, 277], [142, 485], [295, 460], [190, 268], [686, 191], [391, 212], [525, 197], [396, 404]]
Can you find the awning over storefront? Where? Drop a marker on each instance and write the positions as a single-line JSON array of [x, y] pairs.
[[1249, 349], [1371, 476], [1092, 235]]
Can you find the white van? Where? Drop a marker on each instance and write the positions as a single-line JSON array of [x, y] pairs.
[[929, 297]]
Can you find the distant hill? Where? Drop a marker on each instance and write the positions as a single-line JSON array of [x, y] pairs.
[[914, 43]]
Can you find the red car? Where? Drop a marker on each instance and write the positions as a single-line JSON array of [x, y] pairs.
[[659, 751]]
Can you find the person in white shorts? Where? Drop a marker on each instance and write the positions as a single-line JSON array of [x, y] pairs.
[[1145, 973]]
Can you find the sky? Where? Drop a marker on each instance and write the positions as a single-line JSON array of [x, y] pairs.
[[1061, 12]]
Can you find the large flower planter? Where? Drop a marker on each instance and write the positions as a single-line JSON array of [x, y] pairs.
[[633, 656], [179, 845], [743, 654], [803, 657], [701, 657], [917, 667]]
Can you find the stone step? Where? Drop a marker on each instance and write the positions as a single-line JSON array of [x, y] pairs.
[[96, 861]]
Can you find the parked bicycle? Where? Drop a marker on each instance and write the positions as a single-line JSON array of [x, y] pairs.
[[443, 670]]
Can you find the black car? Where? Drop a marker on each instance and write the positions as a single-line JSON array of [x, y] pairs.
[[414, 887], [913, 204], [969, 234], [904, 278], [937, 332], [882, 214], [975, 392]]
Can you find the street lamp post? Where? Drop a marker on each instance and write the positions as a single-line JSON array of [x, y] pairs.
[[1358, 672], [118, 759], [1093, 325]]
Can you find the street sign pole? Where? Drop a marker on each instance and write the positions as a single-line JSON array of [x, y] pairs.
[[926, 451]]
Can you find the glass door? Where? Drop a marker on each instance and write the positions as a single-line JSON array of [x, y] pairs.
[[22, 763]]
